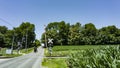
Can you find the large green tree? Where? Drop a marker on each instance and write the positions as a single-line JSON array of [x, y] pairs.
[[3, 30], [89, 32], [75, 34], [25, 33], [109, 35], [9, 38], [58, 31], [63, 32]]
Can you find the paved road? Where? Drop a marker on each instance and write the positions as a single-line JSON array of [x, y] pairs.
[[32, 60], [1, 60]]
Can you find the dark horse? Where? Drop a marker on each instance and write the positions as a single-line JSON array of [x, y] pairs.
[[35, 49]]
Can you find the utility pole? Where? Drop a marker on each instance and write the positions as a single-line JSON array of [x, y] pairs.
[[26, 40], [12, 42], [45, 36]]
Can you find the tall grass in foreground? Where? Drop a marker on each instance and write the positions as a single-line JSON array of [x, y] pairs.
[[108, 57]]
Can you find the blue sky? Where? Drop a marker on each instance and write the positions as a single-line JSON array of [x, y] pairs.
[[41, 12]]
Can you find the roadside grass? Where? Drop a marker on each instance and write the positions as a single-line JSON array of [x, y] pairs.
[[2, 51], [10, 55], [15, 52], [54, 63], [29, 50]]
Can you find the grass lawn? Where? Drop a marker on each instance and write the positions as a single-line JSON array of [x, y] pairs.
[[54, 63]]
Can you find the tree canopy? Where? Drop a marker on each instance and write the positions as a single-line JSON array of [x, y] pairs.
[[65, 34], [25, 33]]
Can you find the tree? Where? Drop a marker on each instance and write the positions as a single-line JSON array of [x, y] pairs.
[[89, 32], [1, 40], [109, 34], [58, 31], [9, 38], [75, 34], [52, 32], [25, 32], [3, 30], [64, 33], [37, 42]]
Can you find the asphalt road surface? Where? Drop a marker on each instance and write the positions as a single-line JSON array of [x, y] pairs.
[[32, 60]]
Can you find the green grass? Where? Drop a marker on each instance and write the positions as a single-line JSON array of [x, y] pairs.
[[15, 54], [61, 51], [2, 51], [29, 50], [11, 55], [54, 63], [58, 53], [74, 47]]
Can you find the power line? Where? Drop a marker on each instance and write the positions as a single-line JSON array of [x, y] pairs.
[[6, 22]]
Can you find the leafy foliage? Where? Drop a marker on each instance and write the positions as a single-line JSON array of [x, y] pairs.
[[107, 57], [58, 31], [76, 34], [3, 30], [25, 31]]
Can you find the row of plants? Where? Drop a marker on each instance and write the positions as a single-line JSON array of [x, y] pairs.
[[104, 57]]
